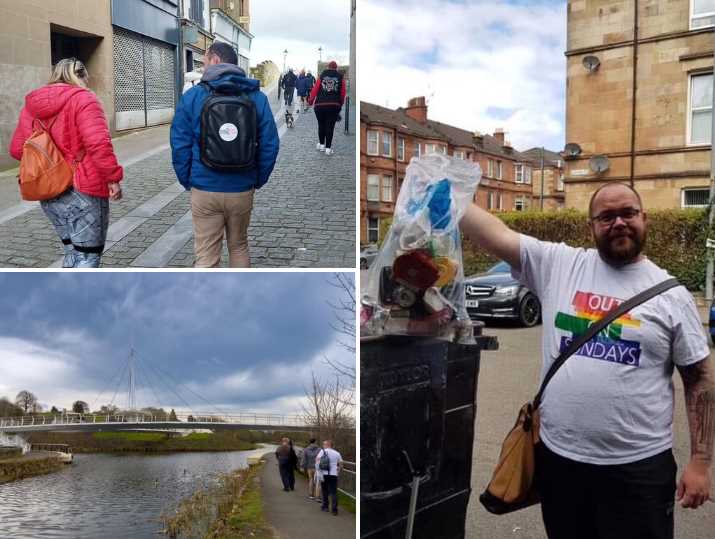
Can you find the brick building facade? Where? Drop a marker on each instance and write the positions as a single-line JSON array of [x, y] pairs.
[[639, 93], [390, 138], [552, 194]]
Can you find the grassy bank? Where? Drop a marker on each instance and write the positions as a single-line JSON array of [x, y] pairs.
[[344, 502], [231, 509], [22, 467], [149, 442]]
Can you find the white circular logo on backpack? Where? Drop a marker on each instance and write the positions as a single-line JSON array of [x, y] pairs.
[[228, 132]]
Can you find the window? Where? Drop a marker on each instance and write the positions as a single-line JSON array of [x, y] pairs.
[[695, 198], [490, 200], [701, 108], [416, 150], [702, 13], [373, 229], [372, 143], [442, 150], [400, 149], [490, 168], [498, 170], [373, 187], [459, 154], [387, 188], [430, 148], [519, 204], [527, 174], [387, 144], [560, 182], [519, 173], [500, 202]]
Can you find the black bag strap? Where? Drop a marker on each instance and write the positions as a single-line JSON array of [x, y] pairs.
[[597, 327]]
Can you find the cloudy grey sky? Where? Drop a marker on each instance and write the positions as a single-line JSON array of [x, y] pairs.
[[301, 27], [245, 342], [482, 64]]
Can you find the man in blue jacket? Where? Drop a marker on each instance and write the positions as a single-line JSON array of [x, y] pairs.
[[221, 202]]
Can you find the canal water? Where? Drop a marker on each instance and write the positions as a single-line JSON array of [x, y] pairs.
[[110, 496]]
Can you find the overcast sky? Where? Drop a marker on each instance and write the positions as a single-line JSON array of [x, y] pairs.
[[301, 27], [243, 341], [483, 64]]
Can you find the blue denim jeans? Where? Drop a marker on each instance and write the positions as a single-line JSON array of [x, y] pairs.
[[81, 222]]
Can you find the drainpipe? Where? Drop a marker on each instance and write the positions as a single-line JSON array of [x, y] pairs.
[[635, 89], [542, 178]]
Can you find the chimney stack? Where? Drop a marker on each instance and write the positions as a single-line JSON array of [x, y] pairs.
[[478, 139], [417, 109], [499, 135]]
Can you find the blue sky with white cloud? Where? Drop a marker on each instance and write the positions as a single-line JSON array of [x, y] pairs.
[[243, 341], [482, 64]]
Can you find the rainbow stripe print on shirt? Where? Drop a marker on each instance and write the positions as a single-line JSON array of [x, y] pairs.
[[608, 345]]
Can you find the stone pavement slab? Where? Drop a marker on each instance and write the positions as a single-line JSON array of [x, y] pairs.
[[303, 217], [293, 515]]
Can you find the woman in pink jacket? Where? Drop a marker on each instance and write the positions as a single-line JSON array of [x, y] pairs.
[[76, 122]]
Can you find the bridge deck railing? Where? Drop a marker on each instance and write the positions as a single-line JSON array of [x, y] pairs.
[[70, 419]]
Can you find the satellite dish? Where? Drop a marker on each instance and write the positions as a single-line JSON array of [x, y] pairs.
[[591, 63], [598, 163], [572, 149]]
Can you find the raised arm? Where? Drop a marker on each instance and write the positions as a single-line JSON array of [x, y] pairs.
[[699, 386], [491, 234]]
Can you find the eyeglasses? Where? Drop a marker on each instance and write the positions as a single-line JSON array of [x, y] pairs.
[[607, 218]]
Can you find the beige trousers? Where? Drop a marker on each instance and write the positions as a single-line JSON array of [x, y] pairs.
[[216, 214]]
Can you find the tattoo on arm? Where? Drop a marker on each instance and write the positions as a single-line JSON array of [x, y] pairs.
[[699, 383]]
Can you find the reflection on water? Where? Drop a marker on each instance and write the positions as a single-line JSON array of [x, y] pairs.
[[109, 496]]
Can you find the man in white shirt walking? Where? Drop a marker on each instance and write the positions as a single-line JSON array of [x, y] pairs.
[[330, 463]]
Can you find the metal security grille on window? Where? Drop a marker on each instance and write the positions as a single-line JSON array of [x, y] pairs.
[[128, 72], [696, 198], [159, 68]]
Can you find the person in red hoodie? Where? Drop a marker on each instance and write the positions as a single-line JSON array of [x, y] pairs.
[[76, 122], [327, 98]]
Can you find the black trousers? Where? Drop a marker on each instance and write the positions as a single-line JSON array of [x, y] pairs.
[[330, 489], [327, 116], [287, 475], [288, 96], [624, 501]]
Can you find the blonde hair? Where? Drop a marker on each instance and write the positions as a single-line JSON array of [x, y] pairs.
[[70, 71]]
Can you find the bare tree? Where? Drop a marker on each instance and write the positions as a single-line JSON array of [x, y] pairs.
[[329, 408], [26, 400], [344, 322]]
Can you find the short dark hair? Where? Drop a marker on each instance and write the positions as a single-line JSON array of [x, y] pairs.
[[610, 184], [312, 441], [224, 51]]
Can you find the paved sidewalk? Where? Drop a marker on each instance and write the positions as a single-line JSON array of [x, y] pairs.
[[293, 515], [303, 217]]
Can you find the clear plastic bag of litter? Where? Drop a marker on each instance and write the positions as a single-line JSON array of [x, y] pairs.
[[415, 285]]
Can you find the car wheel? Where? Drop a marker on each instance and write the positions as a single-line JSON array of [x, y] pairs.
[[529, 311], [363, 263]]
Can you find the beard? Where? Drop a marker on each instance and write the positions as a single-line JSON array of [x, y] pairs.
[[620, 247]]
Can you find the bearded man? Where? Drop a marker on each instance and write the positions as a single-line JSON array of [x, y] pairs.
[[605, 467]]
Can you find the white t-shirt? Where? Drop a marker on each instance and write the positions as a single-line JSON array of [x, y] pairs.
[[334, 457], [612, 401]]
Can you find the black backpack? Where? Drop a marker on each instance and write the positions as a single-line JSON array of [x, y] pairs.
[[229, 132]]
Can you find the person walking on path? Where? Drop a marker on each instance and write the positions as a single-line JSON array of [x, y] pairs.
[[221, 201], [293, 465], [308, 464], [605, 467], [288, 84], [327, 97], [285, 463], [330, 463], [73, 116], [303, 87]]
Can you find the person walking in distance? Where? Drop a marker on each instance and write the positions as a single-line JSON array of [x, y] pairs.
[[73, 117], [327, 97], [288, 84], [308, 464], [224, 146], [311, 83], [604, 464], [330, 463], [303, 87], [285, 463], [293, 465]]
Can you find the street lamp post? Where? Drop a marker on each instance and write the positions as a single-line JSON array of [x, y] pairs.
[[285, 55], [320, 54]]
